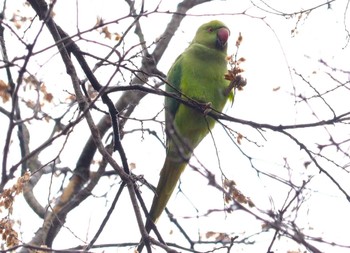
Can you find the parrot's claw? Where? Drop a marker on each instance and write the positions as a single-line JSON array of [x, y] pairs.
[[237, 82], [207, 108]]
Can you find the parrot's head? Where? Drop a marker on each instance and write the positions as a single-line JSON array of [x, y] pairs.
[[213, 34]]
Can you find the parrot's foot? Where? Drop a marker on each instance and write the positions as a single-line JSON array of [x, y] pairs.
[[206, 107], [237, 81]]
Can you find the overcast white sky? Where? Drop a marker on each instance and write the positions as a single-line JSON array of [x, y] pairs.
[[271, 51]]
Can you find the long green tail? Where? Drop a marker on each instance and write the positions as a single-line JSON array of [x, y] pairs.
[[169, 177]]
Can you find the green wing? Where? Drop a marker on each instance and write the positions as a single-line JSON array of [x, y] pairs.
[[173, 86]]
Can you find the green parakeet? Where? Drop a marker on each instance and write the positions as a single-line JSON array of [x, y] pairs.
[[197, 74]]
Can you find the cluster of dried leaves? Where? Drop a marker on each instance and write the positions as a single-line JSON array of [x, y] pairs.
[[233, 194], [7, 197], [4, 94], [18, 19], [105, 30], [236, 70], [33, 83], [218, 236]]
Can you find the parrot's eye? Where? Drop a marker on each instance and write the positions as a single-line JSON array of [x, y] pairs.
[[210, 29]]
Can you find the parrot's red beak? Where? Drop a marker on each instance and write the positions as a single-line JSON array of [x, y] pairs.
[[222, 37]]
